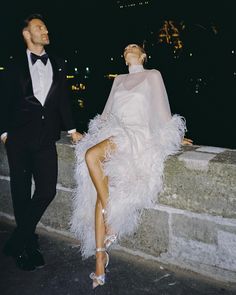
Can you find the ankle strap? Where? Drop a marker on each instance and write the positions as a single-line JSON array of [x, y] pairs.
[[100, 249], [104, 211]]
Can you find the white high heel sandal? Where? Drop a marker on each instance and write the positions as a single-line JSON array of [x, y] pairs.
[[109, 240], [101, 279]]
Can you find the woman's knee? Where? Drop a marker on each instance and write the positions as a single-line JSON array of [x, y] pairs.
[[91, 156]]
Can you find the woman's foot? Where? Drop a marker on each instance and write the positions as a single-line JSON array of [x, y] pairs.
[[102, 261], [97, 280]]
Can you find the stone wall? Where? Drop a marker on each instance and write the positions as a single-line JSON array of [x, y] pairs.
[[192, 226]]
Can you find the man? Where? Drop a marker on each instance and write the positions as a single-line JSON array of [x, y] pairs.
[[35, 108]]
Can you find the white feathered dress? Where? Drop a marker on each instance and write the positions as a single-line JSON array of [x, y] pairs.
[[138, 120]]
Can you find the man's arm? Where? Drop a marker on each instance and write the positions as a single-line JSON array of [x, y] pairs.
[[6, 86], [66, 110]]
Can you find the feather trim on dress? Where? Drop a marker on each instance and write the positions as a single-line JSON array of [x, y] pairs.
[[134, 170]]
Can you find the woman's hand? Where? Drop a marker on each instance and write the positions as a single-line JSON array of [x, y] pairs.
[[187, 141]]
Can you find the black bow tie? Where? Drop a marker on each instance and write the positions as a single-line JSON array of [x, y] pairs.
[[35, 57]]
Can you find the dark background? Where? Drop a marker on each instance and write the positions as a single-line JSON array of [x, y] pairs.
[[200, 81]]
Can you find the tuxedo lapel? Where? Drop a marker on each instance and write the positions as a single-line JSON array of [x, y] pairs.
[[26, 81], [55, 79], [25, 77]]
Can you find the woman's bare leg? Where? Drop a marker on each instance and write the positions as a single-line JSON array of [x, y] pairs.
[[94, 157]]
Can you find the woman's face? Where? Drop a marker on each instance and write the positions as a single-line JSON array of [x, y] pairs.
[[133, 52]]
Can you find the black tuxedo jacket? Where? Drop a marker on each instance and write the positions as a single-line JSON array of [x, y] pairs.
[[22, 115]]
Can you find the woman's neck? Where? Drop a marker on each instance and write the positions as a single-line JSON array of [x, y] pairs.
[[136, 68]]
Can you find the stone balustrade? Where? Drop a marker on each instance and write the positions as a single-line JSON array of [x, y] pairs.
[[192, 226]]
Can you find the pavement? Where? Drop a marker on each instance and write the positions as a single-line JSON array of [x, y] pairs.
[[65, 273]]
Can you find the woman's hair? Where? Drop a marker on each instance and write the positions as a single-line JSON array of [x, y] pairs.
[[144, 52], [141, 48], [27, 20]]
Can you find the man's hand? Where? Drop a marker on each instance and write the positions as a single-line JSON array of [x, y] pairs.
[[76, 136], [4, 139], [187, 141]]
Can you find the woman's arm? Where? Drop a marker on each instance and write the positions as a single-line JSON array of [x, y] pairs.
[[159, 102], [108, 104]]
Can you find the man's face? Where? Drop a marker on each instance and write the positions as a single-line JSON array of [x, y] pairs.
[[38, 32]]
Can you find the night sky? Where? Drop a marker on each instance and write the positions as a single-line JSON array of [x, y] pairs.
[[83, 23], [99, 30]]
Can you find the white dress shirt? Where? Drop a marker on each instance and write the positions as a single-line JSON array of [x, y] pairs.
[[41, 76]]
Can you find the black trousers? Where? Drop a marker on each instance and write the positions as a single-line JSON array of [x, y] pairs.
[[29, 161]]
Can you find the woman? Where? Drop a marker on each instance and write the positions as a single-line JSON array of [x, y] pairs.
[[120, 160]]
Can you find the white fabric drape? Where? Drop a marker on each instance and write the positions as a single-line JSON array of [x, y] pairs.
[[137, 118]]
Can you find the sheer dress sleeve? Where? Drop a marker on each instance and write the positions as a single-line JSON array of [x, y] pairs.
[[108, 104], [170, 128]]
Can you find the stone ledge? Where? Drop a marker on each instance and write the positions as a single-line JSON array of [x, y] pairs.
[[193, 224], [203, 182]]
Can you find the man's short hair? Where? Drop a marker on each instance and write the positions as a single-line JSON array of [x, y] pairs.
[[26, 21]]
